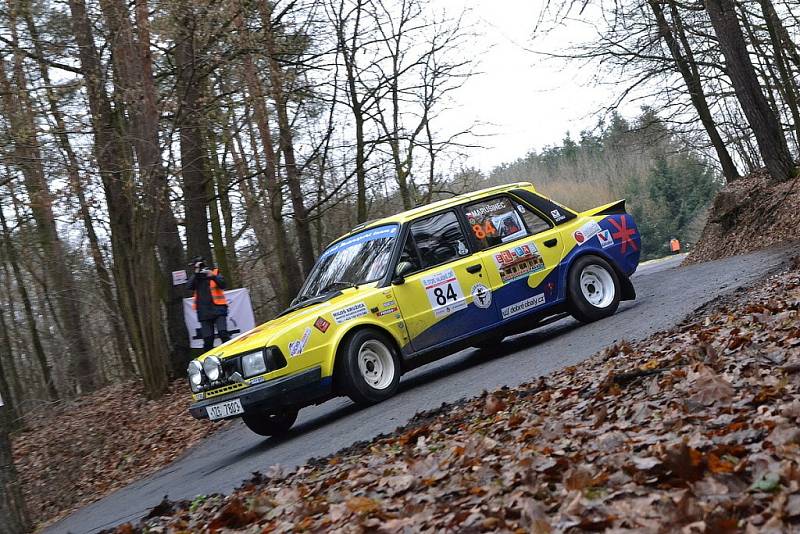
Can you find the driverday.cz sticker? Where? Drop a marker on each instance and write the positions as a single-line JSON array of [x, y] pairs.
[[444, 293]]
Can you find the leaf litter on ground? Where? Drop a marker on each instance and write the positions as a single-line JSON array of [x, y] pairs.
[[692, 430]]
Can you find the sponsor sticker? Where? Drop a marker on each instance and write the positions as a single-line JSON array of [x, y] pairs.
[[586, 232], [387, 312], [322, 325], [481, 296], [296, 347], [444, 293], [518, 262], [605, 238], [488, 208], [381, 232], [389, 304], [557, 215], [351, 312], [256, 380], [523, 305]]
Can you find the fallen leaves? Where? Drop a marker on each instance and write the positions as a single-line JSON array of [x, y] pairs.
[[106, 440], [708, 387], [693, 430]]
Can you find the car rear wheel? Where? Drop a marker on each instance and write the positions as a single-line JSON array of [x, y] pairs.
[[270, 423], [368, 369], [593, 288]]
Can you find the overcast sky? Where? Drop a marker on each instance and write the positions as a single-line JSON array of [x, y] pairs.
[[530, 100]]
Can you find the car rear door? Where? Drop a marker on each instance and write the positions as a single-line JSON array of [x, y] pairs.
[[436, 298], [521, 251]]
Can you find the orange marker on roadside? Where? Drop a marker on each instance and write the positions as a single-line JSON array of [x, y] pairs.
[[674, 245]]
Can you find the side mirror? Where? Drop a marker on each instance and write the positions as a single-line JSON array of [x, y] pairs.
[[400, 272]]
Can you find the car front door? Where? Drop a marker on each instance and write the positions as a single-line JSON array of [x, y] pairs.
[[442, 295], [521, 251]]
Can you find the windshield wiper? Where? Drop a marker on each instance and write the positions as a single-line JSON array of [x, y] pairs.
[[303, 301], [337, 285]]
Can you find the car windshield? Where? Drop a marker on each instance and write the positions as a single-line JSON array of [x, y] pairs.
[[358, 259]]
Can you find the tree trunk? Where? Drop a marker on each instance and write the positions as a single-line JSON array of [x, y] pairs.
[[76, 183], [286, 260], [762, 119], [9, 381], [8, 367], [684, 62], [193, 157], [255, 214], [787, 84], [30, 317], [13, 514], [114, 159], [135, 82], [286, 142], [222, 210], [349, 49], [28, 158]]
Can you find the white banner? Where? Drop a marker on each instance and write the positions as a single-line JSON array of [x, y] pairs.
[[240, 317]]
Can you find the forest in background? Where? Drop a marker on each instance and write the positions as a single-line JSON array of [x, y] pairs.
[[667, 183], [135, 135]]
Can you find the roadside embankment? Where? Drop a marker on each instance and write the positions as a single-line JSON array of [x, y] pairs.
[[749, 214]]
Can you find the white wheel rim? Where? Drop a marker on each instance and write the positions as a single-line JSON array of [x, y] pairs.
[[376, 364], [597, 286]]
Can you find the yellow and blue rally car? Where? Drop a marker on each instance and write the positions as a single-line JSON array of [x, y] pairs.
[[401, 291]]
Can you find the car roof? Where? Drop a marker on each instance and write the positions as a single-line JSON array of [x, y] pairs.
[[408, 215]]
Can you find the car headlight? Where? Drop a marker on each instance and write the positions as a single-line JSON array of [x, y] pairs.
[[253, 364], [195, 371], [212, 367]]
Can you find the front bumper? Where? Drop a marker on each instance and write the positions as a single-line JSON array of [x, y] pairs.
[[297, 390]]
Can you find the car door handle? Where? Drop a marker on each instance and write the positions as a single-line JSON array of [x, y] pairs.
[[550, 243], [472, 269]]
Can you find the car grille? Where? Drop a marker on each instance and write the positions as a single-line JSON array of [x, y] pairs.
[[273, 358]]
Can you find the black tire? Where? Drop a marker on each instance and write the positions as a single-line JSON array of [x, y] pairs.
[[270, 423], [365, 346], [599, 278]]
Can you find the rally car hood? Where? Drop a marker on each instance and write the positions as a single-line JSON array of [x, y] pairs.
[[265, 334]]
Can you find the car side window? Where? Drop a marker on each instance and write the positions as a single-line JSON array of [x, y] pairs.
[[438, 239], [500, 220], [533, 220]]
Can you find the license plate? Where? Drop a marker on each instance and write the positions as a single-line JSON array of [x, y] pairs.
[[224, 409]]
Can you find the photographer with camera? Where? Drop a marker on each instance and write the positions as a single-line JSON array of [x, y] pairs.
[[209, 302]]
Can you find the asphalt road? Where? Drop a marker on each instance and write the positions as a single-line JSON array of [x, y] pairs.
[[666, 294]]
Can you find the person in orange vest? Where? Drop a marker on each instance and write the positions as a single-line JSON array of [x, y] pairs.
[[674, 245], [209, 302]]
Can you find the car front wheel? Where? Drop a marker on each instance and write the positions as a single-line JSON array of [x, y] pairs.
[[368, 369], [270, 423], [594, 289]]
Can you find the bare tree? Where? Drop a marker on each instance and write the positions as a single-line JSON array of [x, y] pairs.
[[762, 119]]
